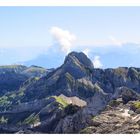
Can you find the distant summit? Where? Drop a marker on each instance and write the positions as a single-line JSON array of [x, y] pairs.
[[79, 58]]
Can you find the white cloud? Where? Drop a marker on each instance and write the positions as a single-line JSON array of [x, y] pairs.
[[97, 63], [86, 51], [64, 38]]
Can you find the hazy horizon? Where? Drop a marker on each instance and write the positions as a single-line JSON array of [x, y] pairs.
[[43, 36]]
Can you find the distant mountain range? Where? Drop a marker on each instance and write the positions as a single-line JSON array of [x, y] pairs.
[[73, 98], [127, 55], [41, 60]]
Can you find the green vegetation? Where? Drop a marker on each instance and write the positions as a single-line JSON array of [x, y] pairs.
[[21, 93], [3, 120], [11, 66], [4, 101], [32, 119], [94, 118], [137, 105], [35, 69], [37, 78], [12, 96], [61, 101], [87, 130]]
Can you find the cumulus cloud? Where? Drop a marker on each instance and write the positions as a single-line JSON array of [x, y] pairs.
[[64, 38], [97, 63], [86, 51]]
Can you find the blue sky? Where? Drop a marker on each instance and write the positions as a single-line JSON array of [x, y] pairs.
[[110, 36]]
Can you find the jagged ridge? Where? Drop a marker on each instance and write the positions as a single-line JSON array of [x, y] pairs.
[[53, 101]]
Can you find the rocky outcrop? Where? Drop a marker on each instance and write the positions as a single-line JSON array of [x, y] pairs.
[[81, 119], [118, 119], [126, 94]]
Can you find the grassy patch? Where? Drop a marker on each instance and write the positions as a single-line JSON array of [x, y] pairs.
[[37, 78], [61, 101], [137, 105], [36, 69], [12, 96], [21, 93], [11, 66], [4, 101]]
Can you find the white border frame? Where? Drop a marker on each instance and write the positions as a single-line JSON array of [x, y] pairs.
[[69, 2]]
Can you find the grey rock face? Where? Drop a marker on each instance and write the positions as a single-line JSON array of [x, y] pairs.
[[126, 94], [80, 58], [77, 64], [81, 119], [114, 120]]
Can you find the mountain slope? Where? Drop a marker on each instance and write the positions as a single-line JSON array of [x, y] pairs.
[[66, 99], [13, 76]]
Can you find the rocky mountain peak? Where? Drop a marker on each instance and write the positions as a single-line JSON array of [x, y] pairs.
[[73, 98], [78, 58]]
